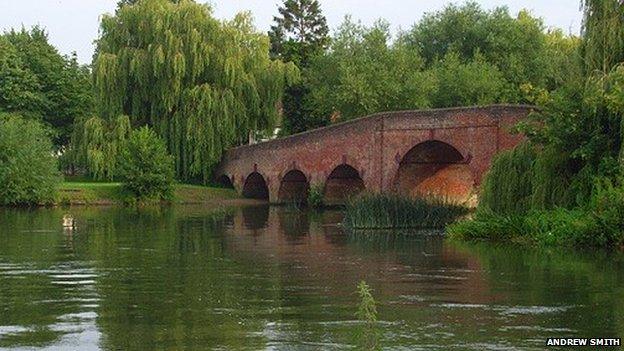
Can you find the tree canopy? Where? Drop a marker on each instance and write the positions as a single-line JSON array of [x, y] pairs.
[[201, 84], [461, 55], [39, 83], [300, 31], [299, 34]]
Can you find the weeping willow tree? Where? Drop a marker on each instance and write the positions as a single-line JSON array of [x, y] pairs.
[[603, 53], [200, 83], [603, 34]]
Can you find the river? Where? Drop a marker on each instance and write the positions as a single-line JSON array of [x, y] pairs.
[[271, 278]]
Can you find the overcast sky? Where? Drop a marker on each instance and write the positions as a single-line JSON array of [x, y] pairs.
[[73, 24]]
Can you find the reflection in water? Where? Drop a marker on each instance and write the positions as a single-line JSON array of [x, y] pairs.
[[280, 278]]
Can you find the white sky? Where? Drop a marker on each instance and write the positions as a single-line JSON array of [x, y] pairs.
[[72, 25]]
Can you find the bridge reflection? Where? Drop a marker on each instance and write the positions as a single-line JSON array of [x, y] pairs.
[[310, 245]]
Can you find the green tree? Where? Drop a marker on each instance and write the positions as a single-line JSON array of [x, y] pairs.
[[475, 82], [146, 167], [363, 73], [38, 83], [200, 83], [516, 46], [28, 171], [300, 31], [603, 34], [298, 35]]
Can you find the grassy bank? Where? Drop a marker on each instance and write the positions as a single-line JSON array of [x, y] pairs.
[[600, 223], [103, 193], [385, 211]]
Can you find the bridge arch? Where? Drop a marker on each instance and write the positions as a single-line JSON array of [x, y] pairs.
[[435, 168], [294, 188], [256, 187], [225, 181], [344, 181]]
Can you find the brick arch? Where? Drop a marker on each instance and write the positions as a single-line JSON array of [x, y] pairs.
[[294, 187], [437, 168], [256, 186], [343, 181], [225, 181]]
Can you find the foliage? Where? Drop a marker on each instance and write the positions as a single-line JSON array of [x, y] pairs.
[[455, 57], [28, 172], [380, 211], [300, 31], [362, 74], [516, 46], [475, 82], [298, 35], [40, 84], [315, 196], [574, 177], [600, 223], [146, 167], [201, 84], [508, 186], [367, 309], [603, 35], [99, 144], [368, 338]]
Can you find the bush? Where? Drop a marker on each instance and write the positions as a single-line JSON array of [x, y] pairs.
[[28, 170], [315, 196], [384, 211], [146, 167]]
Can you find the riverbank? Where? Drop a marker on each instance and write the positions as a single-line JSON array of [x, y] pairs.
[[77, 193]]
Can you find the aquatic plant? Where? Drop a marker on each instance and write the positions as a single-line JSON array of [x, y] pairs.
[[367, 337], [367, 309], [384, 211]]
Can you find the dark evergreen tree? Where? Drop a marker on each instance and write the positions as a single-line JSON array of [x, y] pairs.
[[300, 31], [299, 34]]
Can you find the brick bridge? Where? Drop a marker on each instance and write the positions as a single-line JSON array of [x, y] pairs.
[[443, 151]]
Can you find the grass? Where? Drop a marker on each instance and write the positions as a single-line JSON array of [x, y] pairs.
[[90, 193], [391, 211], [108, 193]]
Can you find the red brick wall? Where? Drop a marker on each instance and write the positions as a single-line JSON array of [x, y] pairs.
[[375, 145]]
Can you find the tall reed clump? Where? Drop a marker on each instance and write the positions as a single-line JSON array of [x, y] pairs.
[[383, 211]]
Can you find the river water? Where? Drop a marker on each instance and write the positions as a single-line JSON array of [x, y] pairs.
[[260, 278]]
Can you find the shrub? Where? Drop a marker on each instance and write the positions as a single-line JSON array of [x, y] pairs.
[[146, 167], [28, 170], [315, 196], [379, 211]]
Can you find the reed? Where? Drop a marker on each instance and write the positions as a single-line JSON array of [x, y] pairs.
[[392, 211]]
